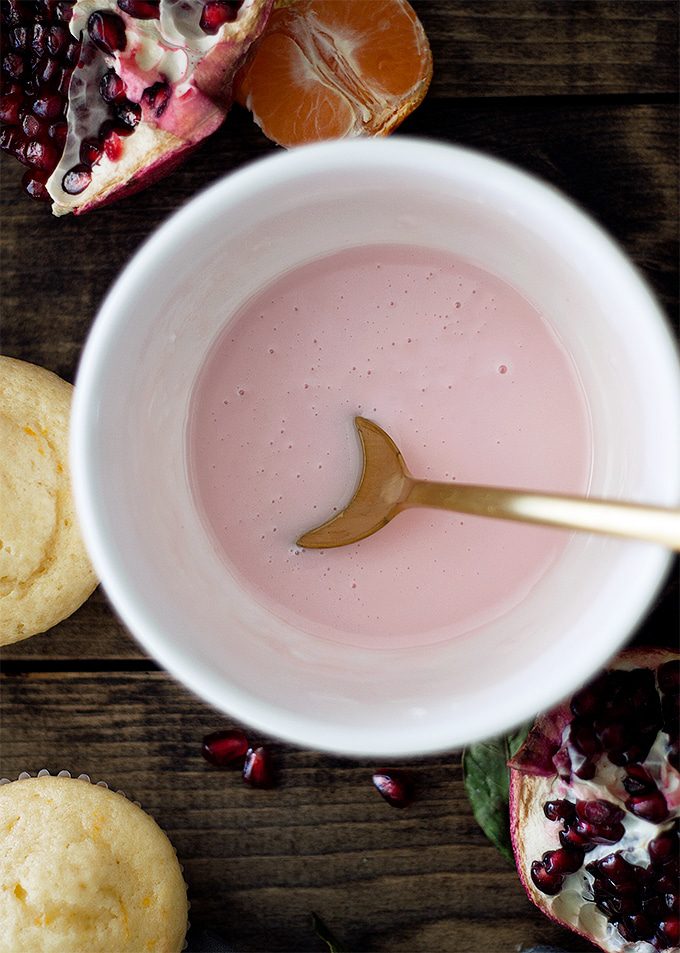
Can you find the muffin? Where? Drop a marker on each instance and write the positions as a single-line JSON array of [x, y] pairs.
[[84, 870], [45, 573]]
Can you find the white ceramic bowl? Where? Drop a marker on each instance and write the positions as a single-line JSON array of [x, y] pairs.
[[147, 540]]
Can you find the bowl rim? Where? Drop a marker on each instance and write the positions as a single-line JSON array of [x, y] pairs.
[[475, 168]]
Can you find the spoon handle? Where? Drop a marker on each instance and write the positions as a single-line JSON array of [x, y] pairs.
[[654, 524]]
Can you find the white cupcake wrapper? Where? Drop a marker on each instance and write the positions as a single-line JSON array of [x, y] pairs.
[[44, 773]]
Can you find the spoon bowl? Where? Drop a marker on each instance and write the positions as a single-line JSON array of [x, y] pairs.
[[386, 488]]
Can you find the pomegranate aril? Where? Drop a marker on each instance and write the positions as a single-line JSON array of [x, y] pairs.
[[112, 87], [558, 810], [394, 786], [615, 867], [223, 748], [573, 841], [76, 180], [48, 106], [586, 771], [590, 700], [57, 39], [63, 12], [562, 861], [41, 155], [636, 927], [670, 709], [72, 52], [257, 769], [140, 9], [48, 70], [652, 807], [57, 131], [33, 183], [18, 38], [39, 39], [549, 884], [32, 126], [9, 109], [216, 13], [90, 151], [13, 65], [664, 847], [599, 812], [582, 736], [107, 31], [113, 147], [638, 780], [157, 97], [128, 115]]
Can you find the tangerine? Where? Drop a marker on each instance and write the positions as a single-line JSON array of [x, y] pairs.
[[327, 69]]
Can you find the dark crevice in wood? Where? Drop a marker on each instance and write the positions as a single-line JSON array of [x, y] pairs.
[[27, 666]]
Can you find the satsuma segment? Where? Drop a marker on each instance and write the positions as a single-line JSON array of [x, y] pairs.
[[329, 69]]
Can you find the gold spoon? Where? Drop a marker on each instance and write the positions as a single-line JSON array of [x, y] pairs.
[[386, 488]]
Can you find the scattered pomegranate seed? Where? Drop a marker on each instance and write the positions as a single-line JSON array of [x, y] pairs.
[[107, 31], [216, 13], [257, 769], [395, 787], [223, 748], [140, 9]]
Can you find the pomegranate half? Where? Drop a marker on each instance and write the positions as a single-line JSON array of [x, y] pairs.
[[595, 807], [102, 97]]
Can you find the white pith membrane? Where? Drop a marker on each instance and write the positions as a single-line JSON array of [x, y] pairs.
[[171, 49], [533, 833]]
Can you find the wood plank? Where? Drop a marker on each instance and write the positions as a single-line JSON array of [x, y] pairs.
[[551, 47], [258, 862]]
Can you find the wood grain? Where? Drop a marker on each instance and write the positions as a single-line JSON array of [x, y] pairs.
[[583, 94], [258, 862]]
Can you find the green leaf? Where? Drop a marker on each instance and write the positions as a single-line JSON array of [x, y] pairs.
[[486, 772], [322, 931]]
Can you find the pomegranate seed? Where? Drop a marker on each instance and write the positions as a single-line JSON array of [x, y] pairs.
[[57, 131], [140, 9], [48, 106], [638, 781], [64, 11], [668, 677], [550, 884], [112, 87], [48, 71], [669, 932], [671, 712], [57, 39], [76, 180], [651, 807], [10, 138], [157, 97], [395, 787], [589, 700], [582, 736], [32, 126], [572, 840], [216, 13], [636, 927], [562, 861], [39, 39], [107, 31], [558, 810], [113, 147], [222, 748], [41, 155], [13, 65], [9, 109], [18, 38], [33, 183], [128, 115], [599, 813], [586, 771], [257, 769], [663, 847], [90, 151]]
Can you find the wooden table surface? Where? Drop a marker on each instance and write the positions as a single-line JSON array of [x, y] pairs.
[[580, 92]]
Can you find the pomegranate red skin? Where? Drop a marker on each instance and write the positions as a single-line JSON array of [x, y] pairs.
[[530, 789]]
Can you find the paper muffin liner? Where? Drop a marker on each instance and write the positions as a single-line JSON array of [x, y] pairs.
[[44, 773]]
